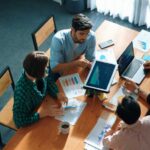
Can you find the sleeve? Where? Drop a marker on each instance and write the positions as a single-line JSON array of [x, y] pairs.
[[21, 117], [90, 53], [56, 52], [148, 99], [113, 141], [52, 88]]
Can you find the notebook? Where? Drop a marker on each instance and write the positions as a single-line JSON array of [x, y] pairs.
[[129, 67], [100, 76]]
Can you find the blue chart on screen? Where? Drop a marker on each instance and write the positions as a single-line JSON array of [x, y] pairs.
[[100, 76]]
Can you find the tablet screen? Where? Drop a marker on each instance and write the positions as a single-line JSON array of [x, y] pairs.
[[101, 76]]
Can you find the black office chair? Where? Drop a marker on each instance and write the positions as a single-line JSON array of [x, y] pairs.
[[43, 32]]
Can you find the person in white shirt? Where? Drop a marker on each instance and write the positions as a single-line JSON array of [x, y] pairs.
[[133, 133]]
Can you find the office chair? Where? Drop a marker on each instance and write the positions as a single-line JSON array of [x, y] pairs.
[[6, 113], [43, 32]]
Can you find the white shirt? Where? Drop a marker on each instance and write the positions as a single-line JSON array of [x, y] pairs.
[[131, 137]]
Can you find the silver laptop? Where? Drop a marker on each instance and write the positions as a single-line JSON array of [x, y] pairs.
[[129, 67]]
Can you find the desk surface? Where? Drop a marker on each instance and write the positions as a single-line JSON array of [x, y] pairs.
[[44, 135]]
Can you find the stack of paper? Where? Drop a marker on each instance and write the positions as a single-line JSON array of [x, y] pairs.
[[95, 137]]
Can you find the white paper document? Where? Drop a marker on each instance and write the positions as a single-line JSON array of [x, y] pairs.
[[72, 85], [120, 94], [106, 55], [142, 41], [72, 111], [95, 137]]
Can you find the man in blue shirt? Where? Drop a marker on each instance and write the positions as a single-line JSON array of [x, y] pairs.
[[73, 47]]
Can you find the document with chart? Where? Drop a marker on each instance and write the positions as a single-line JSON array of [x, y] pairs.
[[106, 55], [72, 111], [95, 137], [142, 41], [72, 85]]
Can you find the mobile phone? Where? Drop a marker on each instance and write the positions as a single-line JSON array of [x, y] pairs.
[[106, 44]]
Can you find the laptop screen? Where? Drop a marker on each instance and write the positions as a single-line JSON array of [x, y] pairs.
[[125, 59]]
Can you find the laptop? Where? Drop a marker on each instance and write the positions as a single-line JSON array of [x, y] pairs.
[[100, 76], [129, 67]]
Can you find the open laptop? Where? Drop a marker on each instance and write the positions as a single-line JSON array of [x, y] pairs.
[[129, 67], [100, 76]]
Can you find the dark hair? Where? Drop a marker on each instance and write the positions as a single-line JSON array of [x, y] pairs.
[[128, 110], [81, 22], [35, 63]]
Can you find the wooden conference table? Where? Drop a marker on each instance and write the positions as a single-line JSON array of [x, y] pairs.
[[44, 135]]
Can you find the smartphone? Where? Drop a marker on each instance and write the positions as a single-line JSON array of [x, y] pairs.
[[106, 44]]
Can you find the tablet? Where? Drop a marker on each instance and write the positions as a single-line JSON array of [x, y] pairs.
[[100, 76]]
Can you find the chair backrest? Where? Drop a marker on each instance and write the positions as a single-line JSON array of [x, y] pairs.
[[6, 80], [43, 32], [6, 113]]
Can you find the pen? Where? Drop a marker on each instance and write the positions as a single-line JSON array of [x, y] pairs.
[[70, 107]]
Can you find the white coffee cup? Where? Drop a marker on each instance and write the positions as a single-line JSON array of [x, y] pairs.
[[64, 127]]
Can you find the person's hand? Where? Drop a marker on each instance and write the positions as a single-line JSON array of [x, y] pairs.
[[84, 63], [109, 132], [147, 65], [50, 111], [131, 86], [61, 99]]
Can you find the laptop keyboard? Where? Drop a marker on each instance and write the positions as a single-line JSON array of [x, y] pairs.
[[133, 68]]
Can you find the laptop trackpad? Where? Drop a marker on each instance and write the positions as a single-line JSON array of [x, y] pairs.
[[139, 76]]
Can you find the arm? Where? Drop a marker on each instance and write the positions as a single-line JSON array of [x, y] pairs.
[[54, 92], [112, 137], [64, 67], [52, 88], [131, 86], [21, 115], [147, 65], [91, 44], [114, 127]]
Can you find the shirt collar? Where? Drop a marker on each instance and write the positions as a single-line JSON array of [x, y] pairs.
[[124, 125], [70, 37]]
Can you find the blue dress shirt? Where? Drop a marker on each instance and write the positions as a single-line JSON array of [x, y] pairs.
[[63, 48]]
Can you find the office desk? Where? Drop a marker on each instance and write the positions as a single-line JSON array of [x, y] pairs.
[[44, 135]]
